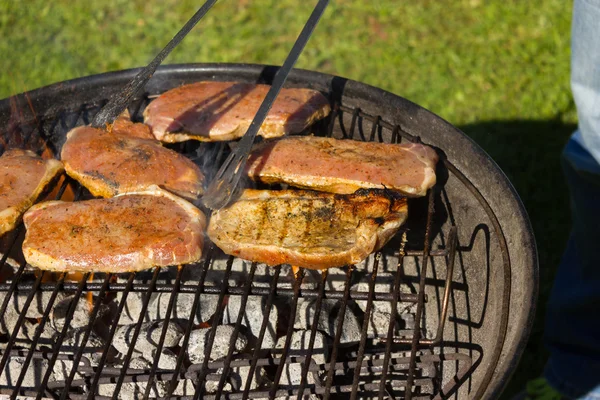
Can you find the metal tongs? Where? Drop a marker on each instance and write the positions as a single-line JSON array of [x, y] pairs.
[[119, 102], [225, 184]]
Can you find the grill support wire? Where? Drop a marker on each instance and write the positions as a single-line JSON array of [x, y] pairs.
[[396, 363]]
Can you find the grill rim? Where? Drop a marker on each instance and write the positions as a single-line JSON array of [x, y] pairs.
[[408, 114]]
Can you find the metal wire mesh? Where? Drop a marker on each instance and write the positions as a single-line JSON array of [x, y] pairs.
[[399, 362]]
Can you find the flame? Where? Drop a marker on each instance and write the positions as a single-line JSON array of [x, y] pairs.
[[68, 195], [76, 277], [295, 271], [53, 277]]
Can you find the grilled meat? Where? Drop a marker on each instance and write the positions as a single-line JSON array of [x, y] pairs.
[[129, 232], [24, 176], [112, 163], [218, 111], [308, 229], [344, 166], [125, 127]]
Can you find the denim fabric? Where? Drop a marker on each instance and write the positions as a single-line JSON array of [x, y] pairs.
[[572, 331], [585, 72]]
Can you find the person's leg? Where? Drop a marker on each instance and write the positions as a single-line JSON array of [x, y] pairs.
[[572, 331]]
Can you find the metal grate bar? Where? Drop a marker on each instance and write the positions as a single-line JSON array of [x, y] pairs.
[[61, 337], [261, 334], [236, 331], [288, 338], [232, 291], [313, 333], [86, 336], [338, 333], [38, 334], [421, 302], [355, 115], [163, 334], [136, 333], [452, 243], [111, 335], [213, 331], [374, 129], [13, 337], [365, 328], [390, 334], [335, 110], [16, 278], [186, 337]]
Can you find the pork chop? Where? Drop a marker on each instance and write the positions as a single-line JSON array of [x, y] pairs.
[[305, 228], [124, 126], [129, 232], [24, 176], [344, 166], [112, 163], [219, 111]]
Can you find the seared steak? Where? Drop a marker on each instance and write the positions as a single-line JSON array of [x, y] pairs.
[[307, 229], [23, 178], [112, 163], [344, 166], [218, 111], [130, 232]]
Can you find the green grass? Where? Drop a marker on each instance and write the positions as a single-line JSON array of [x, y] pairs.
[[498, 69]]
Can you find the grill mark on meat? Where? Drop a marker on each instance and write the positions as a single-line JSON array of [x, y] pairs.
[[142, 154], [308, 229], [284, 227], [264, 218], [100, 176]]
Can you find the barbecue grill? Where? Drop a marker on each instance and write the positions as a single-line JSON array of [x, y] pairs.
[[442, 311]]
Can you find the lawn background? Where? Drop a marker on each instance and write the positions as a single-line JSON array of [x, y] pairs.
[[498, 69]]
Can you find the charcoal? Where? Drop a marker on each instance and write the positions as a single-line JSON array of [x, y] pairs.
[[240, 270], [212, 385], [253, 317], [38, 304], [292, 372], [148, 337], [237, 378], [328, 319], [62, 369], [132, 309], [33, 377], [167, 360], [336, 279], [74, 339], [134, 390], [27, 330], [207, 306], [81, 315], [220, 347], [381, 311], [185, 387]]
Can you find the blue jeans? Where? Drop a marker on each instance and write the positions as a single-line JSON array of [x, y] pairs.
[[572, 331]]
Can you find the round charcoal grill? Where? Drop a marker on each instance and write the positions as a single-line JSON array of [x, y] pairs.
[[443, 311]]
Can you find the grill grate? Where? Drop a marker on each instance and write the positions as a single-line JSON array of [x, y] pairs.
[[402, 363]]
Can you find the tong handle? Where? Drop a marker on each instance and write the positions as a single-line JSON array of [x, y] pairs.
[[119, 102], [225, 184]]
